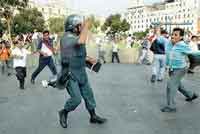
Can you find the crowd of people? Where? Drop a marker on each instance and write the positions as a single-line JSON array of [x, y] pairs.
[[176, 54], [170, 52], [15, 52]]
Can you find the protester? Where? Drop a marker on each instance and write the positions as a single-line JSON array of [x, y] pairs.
[[19, 54], [46, 51], [177, 52], [115, 50]]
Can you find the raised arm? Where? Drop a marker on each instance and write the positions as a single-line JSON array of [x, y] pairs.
[[84, 32]]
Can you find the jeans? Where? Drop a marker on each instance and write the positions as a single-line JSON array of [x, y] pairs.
[[174, 83], [43, 62], [158, 68]]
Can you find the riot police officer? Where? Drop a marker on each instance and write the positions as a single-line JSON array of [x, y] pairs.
[[73, 56]]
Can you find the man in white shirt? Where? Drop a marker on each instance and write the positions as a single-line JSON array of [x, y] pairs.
[[129, 41], [46, 51], [35, 38], [19, 55], [115, 50], [100, 50]]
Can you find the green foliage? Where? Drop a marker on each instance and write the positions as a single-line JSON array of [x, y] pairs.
[[140, 35], [27, 21], [115, 25], [8, 7], [95, 24], [2, 26], [56, 24], [13, 3]]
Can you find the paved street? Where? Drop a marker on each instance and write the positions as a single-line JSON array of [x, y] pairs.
[[123, 93]]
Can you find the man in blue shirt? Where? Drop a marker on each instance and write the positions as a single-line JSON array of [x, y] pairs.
[[158, 48], [176, 53]]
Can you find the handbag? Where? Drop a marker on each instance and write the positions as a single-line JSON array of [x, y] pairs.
[[194, 60], [93, 64]]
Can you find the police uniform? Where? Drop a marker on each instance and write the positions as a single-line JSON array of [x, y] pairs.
[[78, 85], [73, 59]]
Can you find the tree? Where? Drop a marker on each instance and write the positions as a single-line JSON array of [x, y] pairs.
[[115, 25], [141, 35], [2, 26], [56, 24], [95, 24], [8, 8], [27, 21]]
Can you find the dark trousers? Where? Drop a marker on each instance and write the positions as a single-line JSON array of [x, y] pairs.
[[43, 62], [115, 55], [78, 91], [194, 61], [21, 75]]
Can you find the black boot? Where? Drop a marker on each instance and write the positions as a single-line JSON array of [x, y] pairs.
[[195, 96], [95, 118], [63, 114]]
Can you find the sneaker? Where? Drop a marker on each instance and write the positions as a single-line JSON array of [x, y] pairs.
[[45, 83], [168, 109], [63, 114], [195, 96]]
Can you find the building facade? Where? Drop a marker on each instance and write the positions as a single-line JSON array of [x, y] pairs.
[[169, 14], [50, 8], [136, 3]]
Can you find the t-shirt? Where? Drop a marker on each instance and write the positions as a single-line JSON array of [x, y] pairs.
[[114, 47], [4, 54], [46, 50], [20, 52]]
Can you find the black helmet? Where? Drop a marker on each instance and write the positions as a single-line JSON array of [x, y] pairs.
[[72, 21]]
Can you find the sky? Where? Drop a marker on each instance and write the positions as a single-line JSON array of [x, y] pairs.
[[102, 7]]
